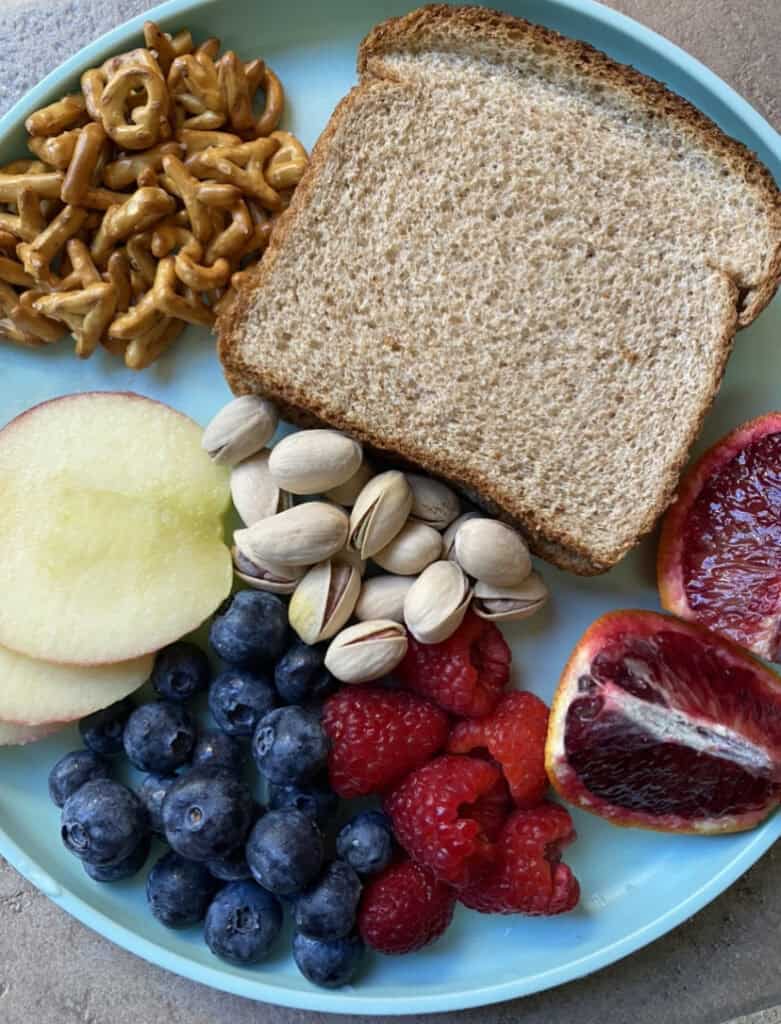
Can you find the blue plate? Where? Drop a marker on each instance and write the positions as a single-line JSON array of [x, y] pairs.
[[636, 885]]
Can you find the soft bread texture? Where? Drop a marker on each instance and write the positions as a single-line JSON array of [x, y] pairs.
[[518, 265]]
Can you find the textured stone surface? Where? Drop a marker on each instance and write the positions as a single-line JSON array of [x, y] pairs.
[[720, 964]]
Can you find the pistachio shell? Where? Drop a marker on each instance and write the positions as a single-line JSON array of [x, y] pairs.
[[449, 536], [240, 429], [346, 493], [324, 600], [436, 603], [303, 535], [411, 550], [352, 558], [433, 502], [313, 461], [366, 651], [505, 604], [380, 511], [278, 579], [382, 597], [255, 494], [492, 552]]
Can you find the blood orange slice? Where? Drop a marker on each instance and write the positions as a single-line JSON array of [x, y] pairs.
[[663, 725], [720, 551]]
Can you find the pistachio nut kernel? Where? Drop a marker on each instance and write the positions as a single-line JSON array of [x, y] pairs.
[[240, 429], [411, 550], [303, 535], [324, 600], [433, 502], [492, 552], [313, 461], [507, 604], [346, 493], [380, 511], [255, 493], [277, 579], [382, 597], [437, 602], [449, 536], [366, 651]]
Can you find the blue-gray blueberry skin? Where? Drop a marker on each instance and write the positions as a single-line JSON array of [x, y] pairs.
[[233, 867], [366, 842], [239, 698], [152, 792], [101, 732], [159, 737], [207, 813], [126, 868], [180, 671], [242, 923], [102, 822], [329, 963], [216, 749], [290, 746], [285, 851], [316, 799], [250, 629], [300, 675], [327, 908], [179, 891], [72, 771]]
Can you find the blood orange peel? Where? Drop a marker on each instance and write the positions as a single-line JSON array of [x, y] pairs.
[[661, 724]]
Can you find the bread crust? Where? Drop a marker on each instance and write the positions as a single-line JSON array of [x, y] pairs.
[[454, 26]]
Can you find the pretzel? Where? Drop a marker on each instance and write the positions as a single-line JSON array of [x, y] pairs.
[[145, 348], [81, 261], [69, 112], [275, 101], [55, 150], [86, 311], [163, 299], [136, 214], [235, 92], [139, 253], [28, 319], [160, 42], [187, 188], [79, 178], [188, 263], [103, 198], [9, 328], [118, 273], [194, 141], [12, 272], [241, 166], [193, 82], [232, 239], [31, 218], [8, 241], [46, 185], [38, 255], [146, 119], [286, 167], [124, 171]]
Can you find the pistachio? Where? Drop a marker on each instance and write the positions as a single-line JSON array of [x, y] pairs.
[[313, 461], [505, 604], [255, 493], [324, 600], [411, 550], [352, 558], [240, 429], [346, 493], [449, 536], [278, 579], [492, 552], [382, 597], [366, 651], [436, 603], [433, 502], [380, 511], [303, 535]]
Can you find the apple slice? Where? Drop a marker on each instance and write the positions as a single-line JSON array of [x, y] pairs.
[[111, 532], [19, 735], [35, 693]]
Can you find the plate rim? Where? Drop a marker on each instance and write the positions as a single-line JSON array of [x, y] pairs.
[[339, 1001]]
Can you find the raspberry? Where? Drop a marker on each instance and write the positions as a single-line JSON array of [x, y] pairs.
[[432, 818], [490, 811], [466, 674], [404, 909], [528, 876], [514, 735], [378, 736]]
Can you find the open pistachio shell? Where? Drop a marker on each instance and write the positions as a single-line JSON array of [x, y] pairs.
[[433, 502], [278, 579], [506, 604], [366, 651], [240, 429], [382, 597], [492, 552], [303, 535], [324, 600], [313, 461], [413, 548], [255, 493], [436, 603], [449, 536], [380, 511]]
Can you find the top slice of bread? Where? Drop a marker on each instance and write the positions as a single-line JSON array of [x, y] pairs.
[[518, 265]]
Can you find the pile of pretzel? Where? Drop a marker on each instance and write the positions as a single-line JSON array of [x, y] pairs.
[[152, 190]]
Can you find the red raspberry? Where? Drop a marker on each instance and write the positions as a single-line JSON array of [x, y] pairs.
[[404, 909], [432, 818], [466, 674], [528, 877], [490, 811], [514, 735], [378, 736]]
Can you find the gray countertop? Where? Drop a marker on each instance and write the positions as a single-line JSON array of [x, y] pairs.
[[719, 966]]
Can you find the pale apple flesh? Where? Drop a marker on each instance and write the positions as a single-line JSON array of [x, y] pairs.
[[111, 529], [20, 735]]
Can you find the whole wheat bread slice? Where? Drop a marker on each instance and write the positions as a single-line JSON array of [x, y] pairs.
[[518, 265]]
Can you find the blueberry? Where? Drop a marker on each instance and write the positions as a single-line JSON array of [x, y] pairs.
[[301, 675], [250, 629], [72, 771], [207, 813], [326, 910], [102, 731], [290, 745], [315, 799], [233, 867], [330, 963], [152, 792], [126, 868], [181, 670], [238, 699], [366, 842], [103, 821], [218, 750], [159, 737], [242, 923], [179, 891], [285, 851]]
